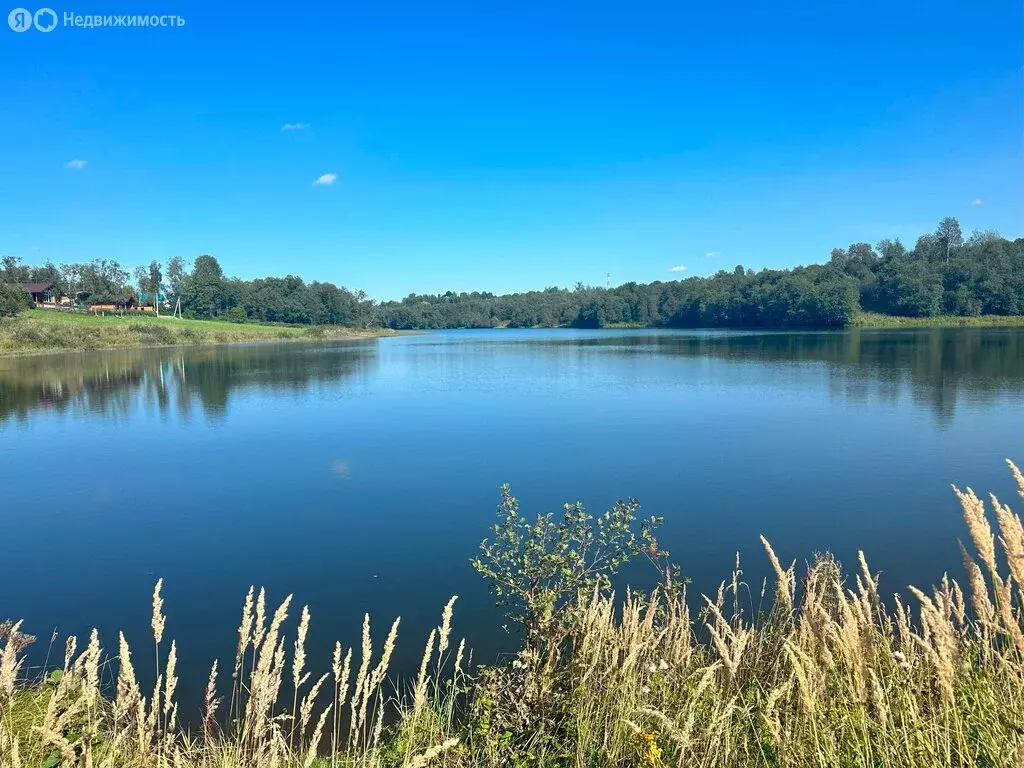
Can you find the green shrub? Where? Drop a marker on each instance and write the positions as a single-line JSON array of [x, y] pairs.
[[150, 333], [13, 299]]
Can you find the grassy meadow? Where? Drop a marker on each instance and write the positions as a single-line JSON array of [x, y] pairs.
[[43, 330], [834, 673], [874, 320]]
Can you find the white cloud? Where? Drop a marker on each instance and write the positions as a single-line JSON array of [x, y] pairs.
[[712, 254], [76, 164], [326, 180], [677, 268], [294, 126], [976, 202]]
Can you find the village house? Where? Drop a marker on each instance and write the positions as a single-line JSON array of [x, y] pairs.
[[41, 293]]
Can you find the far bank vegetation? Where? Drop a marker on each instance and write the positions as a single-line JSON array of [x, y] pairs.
[[944, 274]]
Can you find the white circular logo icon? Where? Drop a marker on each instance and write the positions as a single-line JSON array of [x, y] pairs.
[[45, 20], [20, 19]]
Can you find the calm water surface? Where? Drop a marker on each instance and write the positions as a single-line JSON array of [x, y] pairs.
[[362, 476]]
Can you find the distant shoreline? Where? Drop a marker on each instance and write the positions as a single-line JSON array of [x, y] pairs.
[[866, 320], [42, 331]]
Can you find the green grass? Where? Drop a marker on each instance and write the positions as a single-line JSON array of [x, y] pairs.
[[874, 320], [46, 330]]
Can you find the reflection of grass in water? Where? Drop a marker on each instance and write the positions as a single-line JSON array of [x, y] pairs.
[[828, 674], [42, 330]]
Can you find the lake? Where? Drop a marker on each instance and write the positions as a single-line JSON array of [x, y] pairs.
[[362, 476]]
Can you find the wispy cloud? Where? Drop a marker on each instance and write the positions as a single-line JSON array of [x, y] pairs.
[[76, 164], [712, 254], [326, 180], [677, 268], [294, 126], [976, 202]]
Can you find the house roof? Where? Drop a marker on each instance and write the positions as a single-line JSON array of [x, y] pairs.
[[37, 287]]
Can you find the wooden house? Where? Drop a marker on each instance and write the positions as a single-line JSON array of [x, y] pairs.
[[41, 293]]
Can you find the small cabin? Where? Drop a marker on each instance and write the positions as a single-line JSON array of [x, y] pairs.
[[41, 293]]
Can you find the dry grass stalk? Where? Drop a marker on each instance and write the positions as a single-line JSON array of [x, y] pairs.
[[299, 664], [210, 700], [420, 691], [355, 721], [785, 584], [9, 662], [1018, 476], [159, 620], [422, 760]]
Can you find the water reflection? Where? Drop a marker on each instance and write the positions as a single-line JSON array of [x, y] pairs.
[[936, 367], [110, 383], [362, 476]]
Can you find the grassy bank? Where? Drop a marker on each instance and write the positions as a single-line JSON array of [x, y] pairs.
[[873, 320], [46, 330], [827, 674]]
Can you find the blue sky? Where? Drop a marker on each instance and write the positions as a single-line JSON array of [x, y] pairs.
[[508, 146]]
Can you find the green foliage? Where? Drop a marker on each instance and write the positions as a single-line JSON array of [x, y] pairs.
[[101, 281], [909, 287], [542, 572], [536, 568], [206, 293], [13, 300], [150, 282], [944, 273], [13, 271], [203, 292], [175, 276]]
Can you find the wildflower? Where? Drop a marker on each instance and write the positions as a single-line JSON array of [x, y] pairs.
[[650, 752]]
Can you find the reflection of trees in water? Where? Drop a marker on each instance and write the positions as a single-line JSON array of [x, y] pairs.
[[113, 383], [937, 366]]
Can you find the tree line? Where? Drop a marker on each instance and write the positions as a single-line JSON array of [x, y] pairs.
[[205, 292], [943, 273]]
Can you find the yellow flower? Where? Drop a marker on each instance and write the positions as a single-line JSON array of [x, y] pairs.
[[650, 752]]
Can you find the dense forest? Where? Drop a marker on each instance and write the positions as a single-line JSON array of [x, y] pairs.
[[943, 274]]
